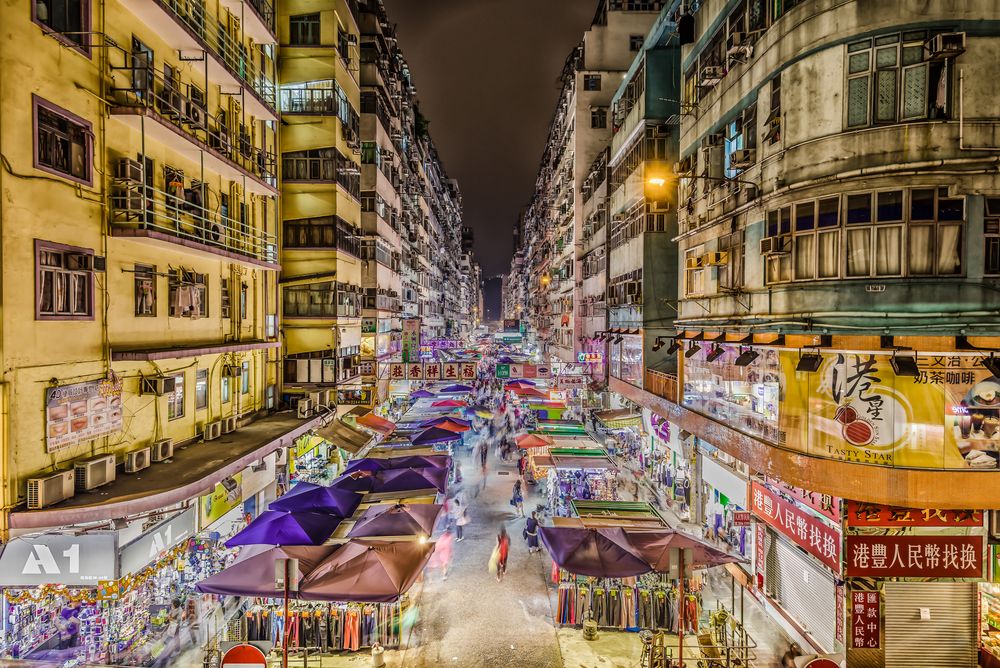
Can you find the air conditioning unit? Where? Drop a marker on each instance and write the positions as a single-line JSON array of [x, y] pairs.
[[50, 489], [685, 167], [228, 424], [775, 245], [127, 201], [944, 45], [79, 261], [94, 472], [129, 170], [740, 45], [711, 75], [743, 158], [325, 398], [137, 460], [213, 430], [315, 399], [157, 385], [711, 159], [715, 259], [196, 114], [304, 408], [232, 370], [693, 262], [162, 450]]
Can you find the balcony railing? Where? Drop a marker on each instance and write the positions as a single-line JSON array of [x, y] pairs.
[[180, 214], [661, 384], [184, 106]]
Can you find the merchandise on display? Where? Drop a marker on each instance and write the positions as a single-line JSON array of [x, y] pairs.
[[570, 484], [324, 627]]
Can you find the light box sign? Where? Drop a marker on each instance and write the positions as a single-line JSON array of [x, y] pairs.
[[81, 412], [808, 532], [351, 396], [866, 620], [911, 556], [154, 543], [590, 358], [60, 559], [411, 339]]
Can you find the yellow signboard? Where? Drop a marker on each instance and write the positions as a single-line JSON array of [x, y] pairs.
[[223, 498]]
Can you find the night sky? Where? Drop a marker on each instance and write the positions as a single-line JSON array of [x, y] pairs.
[[487, 78]]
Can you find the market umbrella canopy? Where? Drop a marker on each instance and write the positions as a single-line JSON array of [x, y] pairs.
[[367, 571], [457, 388], [454, 425], [529, 392], [433, 422], [254, 576], [603, 553], [355, 481], [376, 423], [534, 441], [340, 502], [434, 435], [655, 547], [397, 520], [448, 403], [276, 527], [413, 479], [421, 394], [402, 462]]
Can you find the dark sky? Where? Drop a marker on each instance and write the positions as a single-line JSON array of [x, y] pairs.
[[487, 78]]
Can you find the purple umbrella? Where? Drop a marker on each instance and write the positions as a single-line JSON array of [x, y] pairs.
[[254, 576], [340, 502], [433, 435], [421, 394], [397, 520], [367, 571], [402, 462], [603, 553], [407, 480], [355, 481], [504, 359], [273, 527], [444, 418], [456, 389], [655, 548]]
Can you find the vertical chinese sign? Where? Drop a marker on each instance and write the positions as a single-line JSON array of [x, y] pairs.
[[411, 339], [866, 620]]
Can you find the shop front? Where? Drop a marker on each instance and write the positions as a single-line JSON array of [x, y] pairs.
[[724, 496], [315, 459]]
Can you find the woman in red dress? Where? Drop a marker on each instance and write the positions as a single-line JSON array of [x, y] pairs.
[[503, 548]]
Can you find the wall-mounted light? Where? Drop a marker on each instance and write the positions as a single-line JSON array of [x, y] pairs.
[[619, 339], [674, 347], [693, 350], [905, 365], [716, 352], [746, 357], [658, 343], [809, 362]]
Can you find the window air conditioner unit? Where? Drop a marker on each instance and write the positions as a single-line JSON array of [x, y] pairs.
[[53, 488], [740, 45], [129, 170], [715, 259], [213, 430], [315, 399], [228, 424], [693, 262], [685, 167], [304, 408], [196, 114], [162, 450], [137, 460], [944, 45], [325, 399], [775, 245], [94, 472], [743, 158], [711, 75], [157, 385], [127, 201], [232, 370], [79, 261]]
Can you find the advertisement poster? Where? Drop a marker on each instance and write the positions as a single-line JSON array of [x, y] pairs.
[[914, 556], [806, 531], [411, 339], [80, 412], [866, 620], [220, 501]]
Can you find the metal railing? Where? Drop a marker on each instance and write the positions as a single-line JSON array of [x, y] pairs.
[[661, 384], [181, 213], [184, 106]]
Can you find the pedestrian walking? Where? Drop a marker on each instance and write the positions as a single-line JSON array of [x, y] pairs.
[[517, 499], [442, 553], [522, 464], [502, 550], [531, 532], [461, 519]]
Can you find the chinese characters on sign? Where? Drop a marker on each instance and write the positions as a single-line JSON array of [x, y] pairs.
[[860, 514], [411, 339], [469, 370], [741, 518], [760, 556], [824, 504], [806, 531], [915, 556], [589, 358], [866, 620], [523, 371]]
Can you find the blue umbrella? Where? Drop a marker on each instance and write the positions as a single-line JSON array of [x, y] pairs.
[[274, 527]]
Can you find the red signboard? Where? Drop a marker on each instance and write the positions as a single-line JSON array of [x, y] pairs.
[[741, 518], [861, 514], [760, 556], [806, 531], [840, 613], [824, 504], [866, 620], [915, 556]]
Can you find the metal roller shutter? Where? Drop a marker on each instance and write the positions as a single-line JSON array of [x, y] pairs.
[[947, 640], [803, 588]]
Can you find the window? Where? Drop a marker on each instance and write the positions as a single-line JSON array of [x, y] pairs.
[[635, 42], [63, 142], [322, 232], [591, 82], [772, 125], [599, 117], [175, 400], [201, 389], [889, 81], [145, 291], [188, 294], [311, 300], [64, 282], [730, 275], [303, 30], [991, 226], [694, 274], [69, 18], [224, 298], [343, 44], [245, 378], [322, 164], [224, 389], [243, 300]]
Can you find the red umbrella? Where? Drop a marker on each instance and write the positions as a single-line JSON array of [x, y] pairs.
[[655, 549], [456, 427], [526, 441], [448, 403], [530, 392], [367, 571]]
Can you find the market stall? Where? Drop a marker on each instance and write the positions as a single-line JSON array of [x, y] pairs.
[[578, 473]]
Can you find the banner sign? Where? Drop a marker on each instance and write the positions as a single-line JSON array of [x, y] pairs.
[[81, 412], [442, 344], [866, 620], [60, 559], [806, 531], [824, 504], [411, 339], [432, 371], [220, 501], [915, 556], [760, 555], [154, 543], [861, 514], [572, 381], [354, 396], [522, 371], [741, 518], [590, 358]]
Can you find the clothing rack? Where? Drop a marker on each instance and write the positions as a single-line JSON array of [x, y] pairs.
[[328, 627]]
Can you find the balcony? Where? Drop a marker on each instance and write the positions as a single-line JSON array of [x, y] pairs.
[[661, 384], [178, 217], [258, 23], [187, 27], [180, 120]]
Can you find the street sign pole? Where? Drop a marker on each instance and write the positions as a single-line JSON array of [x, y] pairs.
[[286, 578]]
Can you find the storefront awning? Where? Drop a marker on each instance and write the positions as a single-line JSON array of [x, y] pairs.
[[619, 418], [376, 423], [344, 436]]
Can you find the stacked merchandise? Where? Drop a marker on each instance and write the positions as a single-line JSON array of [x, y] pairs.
[[578, 484], [326, 627], [35, 622]]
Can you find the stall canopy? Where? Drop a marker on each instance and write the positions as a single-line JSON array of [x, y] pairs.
[[655, 547], [403, 462], [455, 425], [526, 441], [603, 553], [421, 394], [367, 571], [434, 435], [581, 458], [561, 427], [309, 497], [394, 480], [448, 403], [376, 423], [344, 436], [457, 388], [433, 422], [253, 576], [528, 392], [397, 520], [275, 527], [619, 418]]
